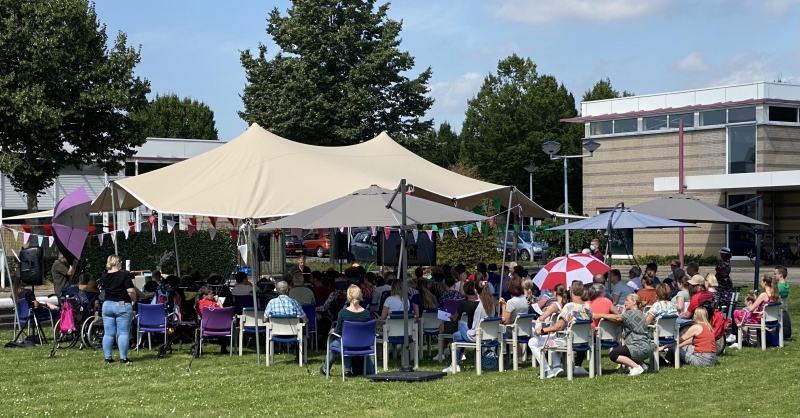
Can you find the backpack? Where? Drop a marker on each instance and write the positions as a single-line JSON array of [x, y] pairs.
[[67, 323]]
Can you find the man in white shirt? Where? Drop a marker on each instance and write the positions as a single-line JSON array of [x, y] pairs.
[[634, 279], [243, 286]]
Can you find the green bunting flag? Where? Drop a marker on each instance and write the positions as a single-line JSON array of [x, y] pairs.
[[434, 227], [546, 231], [532, 228], [502, 227], [496, 204], [477, 210], [516, 229]]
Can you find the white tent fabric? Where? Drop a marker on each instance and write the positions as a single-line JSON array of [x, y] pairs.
[[261, 175]]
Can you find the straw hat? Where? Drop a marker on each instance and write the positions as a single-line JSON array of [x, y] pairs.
[[697, 279], [91, 286]]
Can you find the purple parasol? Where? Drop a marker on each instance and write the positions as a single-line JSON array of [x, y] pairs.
[[71, 223]]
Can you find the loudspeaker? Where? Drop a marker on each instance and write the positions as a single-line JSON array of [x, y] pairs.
[[30, 266], [341, 246], [264, 240]]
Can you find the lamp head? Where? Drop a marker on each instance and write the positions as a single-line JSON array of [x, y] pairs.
[[591, 146], [551, 147], [530, 168]]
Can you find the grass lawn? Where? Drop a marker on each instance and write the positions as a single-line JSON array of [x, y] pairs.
[[745, 382]]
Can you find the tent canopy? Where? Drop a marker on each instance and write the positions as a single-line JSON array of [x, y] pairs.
[[261, 175]]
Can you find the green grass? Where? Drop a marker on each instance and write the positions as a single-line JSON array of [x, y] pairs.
[[77, 383]]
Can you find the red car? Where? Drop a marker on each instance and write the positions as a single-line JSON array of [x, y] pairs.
[[318, 245]]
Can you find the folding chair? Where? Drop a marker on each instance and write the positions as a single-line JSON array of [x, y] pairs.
[[285, 329], [357, 339], [608, 334], [393, 331], [151, 319], [771, 317], [429, 327], [489, 334], [579, 336], [666, 332], [521, 332], [249, 321]]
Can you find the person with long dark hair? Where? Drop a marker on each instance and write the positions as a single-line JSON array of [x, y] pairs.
[[120, 296], [484, 309]]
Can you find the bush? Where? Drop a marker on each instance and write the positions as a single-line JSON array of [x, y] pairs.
[[468, 249], [664, 260], [578, 239]]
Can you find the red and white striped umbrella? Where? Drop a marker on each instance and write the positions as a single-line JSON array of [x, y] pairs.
[[567, 269]]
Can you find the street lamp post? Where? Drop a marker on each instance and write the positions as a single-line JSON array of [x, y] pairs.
[[552, 148], [530, 168]]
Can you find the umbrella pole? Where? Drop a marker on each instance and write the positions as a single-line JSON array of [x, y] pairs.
[[505, 240], [255, 272], [114, 214], [177, 260], [404, 365], [680, 187], [13, 287]]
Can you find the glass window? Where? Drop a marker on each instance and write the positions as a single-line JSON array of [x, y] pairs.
[[654, 123], [742, 149], [687, 118], [742, 114], [626, 125], [782, 114], [712, 117], [740, 238], [601, 128]]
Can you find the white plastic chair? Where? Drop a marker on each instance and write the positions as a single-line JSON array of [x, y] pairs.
[[278, 327], [428, 327], [608, 334], [666, 332], [521, 332], [393, 331], [489, 334], [577, 335], [250, 319], [771, 317]]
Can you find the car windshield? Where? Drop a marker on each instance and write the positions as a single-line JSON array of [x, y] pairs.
[[291, 238], [525, 236]]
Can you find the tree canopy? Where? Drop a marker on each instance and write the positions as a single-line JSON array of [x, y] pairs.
[[169, 116], [65, 96], [603, 90], [339, 77], [515, 111]]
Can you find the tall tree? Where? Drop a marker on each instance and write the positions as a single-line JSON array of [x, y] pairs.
[[169, 116], [338, 78], [65, 96], [603, 90], [513, 114]]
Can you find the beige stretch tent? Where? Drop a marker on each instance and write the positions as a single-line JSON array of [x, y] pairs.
[[261, 175]]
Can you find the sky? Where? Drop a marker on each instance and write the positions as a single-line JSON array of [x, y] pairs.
[[192, 48]]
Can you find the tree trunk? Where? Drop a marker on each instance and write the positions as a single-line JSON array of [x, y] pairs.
[[33, 206]]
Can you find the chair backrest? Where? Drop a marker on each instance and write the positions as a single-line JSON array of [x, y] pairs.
[[666, 327], [772, 312], [285, 325], [311, 314], [358, 334], [394, 325], [581, 332], [241, 302], [343, 285], [609, 330], [24, 310], [216, 319], [70, 291], [524, 324], [451, 305], [430, 319], [151, 316], [252, 317], [490, 328]]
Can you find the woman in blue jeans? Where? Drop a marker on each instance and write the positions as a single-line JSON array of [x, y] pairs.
[[117, 309], [465, 333]]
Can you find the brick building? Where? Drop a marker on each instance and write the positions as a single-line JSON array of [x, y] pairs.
[[740, 142]]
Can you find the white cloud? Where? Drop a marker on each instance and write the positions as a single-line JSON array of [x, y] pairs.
[[539, 12], [747, 68], [693, 63], [779, 6], [453, 95]]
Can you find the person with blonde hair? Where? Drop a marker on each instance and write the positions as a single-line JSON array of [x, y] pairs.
[[697, 345], [120, 295], [711, 283], [353, 312], [638, 345], [663, 306], [752, 314]]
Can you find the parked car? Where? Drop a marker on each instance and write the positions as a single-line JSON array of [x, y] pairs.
[[295, 245], [318, 245], [526, 248], [364, 247]]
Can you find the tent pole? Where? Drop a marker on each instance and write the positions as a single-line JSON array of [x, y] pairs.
[[404, 365], [175, 240], [255, 271], [505, 239], [680, 188], [114, 211], [7, 270]]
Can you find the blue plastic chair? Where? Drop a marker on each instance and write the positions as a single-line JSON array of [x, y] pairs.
[[311, 326], [240, 302], [151, 319], [357, 339], [69, 291]]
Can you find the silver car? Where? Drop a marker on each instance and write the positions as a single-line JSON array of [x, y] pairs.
[[526, 247]]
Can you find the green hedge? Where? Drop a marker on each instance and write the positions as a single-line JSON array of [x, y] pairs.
[[197, 252], [664, 260], [578, 239], [468, 250]]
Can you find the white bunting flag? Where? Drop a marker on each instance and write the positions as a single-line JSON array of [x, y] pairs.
[[52, 241], [100, 239], [125, 231], [243, 251], [212, 232], [16, 234], [114, 237], [455, 231], [478, 224], [341, 229], [170, 226], [441, 233], [40, 239], [415, 233], [430, 234], [25, 237]]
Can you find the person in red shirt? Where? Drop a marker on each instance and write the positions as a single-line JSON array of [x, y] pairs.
[[699, 296], [697, 345], [207, 299], [595, 249], [320, 291]]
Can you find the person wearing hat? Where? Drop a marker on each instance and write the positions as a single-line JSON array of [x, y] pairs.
[[724, 267], [699, 296]]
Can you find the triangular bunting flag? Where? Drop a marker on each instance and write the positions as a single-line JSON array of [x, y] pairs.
[[386, 232], [170, 226], [491, 221], [341, 230], [434, 228], [516, 229], [243, 252], [126, 231], [430, 234], [230, 221], [234, 235], [477, 210], [441, 233], [546, 231], [455, 231], [502, 227], [532, 228], [100, 239], [16, 234], [52, 241], [496, 205], [114, 237], [212, 232], [25, 237], [479, 225], [373, 229], [213, 221], [561, 231], [468, 229], [40, 239], [415, 233]]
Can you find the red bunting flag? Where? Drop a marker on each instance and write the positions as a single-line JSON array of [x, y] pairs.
[[230, 221], [49, 229], [213, 221], [386, 232], [234, 235], [192, 226], [26, 228]]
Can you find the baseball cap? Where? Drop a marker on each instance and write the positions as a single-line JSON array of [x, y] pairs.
[[725, 250], [697, 279]]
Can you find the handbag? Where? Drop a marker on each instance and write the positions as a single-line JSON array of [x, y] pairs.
[[489, 360]]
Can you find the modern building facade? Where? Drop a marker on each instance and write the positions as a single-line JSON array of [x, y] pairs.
[[740, 142]]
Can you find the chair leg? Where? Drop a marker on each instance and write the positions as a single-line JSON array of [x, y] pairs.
[[453, 364], [385, 355], [677, 359], [342, 364], [570, 367], [327, 362], [739, 337], [515, 354], [763, 337], [502, 365], [478, 364]]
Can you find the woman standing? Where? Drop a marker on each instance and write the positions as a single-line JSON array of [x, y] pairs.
[[117, 309], [638, 345]]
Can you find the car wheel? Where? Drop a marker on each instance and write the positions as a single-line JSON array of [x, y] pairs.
[[320, 252], [524, 255]]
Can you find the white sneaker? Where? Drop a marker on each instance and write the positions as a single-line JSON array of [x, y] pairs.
[[449, 369], [463, 357], [734, 345], [636, 371], [731, 339]]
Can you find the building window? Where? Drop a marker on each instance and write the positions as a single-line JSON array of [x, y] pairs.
[[605, 127], [654, 123], [626, 125], [740, 238], [782, 114], [713, 117], [742, 114], [687, 118], [742, 149], [130, 169]]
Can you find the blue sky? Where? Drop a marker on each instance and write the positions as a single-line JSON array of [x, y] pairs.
[[644, 46]]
